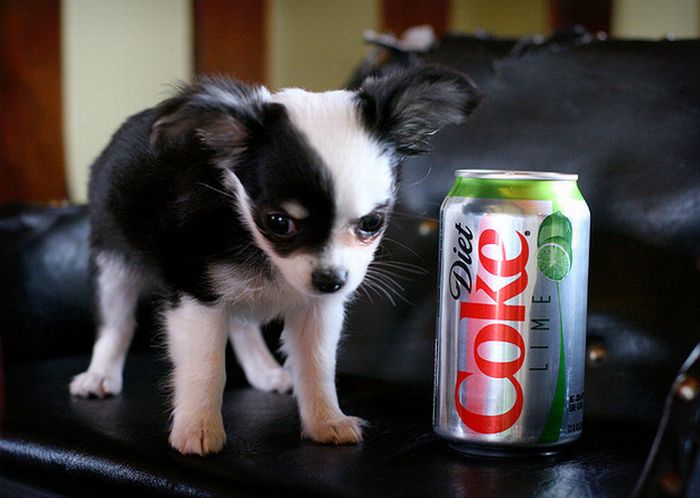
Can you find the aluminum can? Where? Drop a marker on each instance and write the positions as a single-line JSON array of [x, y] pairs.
[[511, 328]]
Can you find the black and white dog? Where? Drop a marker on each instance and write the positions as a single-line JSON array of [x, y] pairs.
[[244, 207]]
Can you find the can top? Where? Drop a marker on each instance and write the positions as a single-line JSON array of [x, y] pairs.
[[497, 174]]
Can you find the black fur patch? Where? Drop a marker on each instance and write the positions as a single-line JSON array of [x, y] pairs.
[[219, 110], [279, 166], [405, 109]]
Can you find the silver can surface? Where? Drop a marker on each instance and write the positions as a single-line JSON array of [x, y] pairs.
[[511, 330]]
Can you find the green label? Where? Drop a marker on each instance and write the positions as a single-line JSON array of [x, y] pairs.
[[535, 190]]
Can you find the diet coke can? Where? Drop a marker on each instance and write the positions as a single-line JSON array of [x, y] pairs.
[[511, 330]]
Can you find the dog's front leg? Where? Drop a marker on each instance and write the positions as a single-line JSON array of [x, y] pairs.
[[197, 347], [310, 340]]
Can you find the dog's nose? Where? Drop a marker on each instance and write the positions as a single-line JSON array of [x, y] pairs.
[[329, 280]]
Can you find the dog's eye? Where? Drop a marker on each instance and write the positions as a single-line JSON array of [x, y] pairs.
[[280, 225], [369, 225]]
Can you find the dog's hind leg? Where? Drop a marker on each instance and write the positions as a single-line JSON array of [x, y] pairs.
[[260, 367], [118, 288]]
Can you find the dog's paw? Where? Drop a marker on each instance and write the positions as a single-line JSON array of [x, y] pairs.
[[274, 379], [337, 430], [198, 436], [101, 385]]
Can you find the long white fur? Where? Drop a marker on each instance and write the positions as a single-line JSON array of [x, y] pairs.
[[362, 179], [197, 347], [310, 340], [118, 291]]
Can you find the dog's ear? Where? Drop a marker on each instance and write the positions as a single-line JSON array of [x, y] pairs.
[[221, 113], [406, 108]]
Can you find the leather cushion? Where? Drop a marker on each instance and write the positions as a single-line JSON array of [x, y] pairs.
[[119, 445]]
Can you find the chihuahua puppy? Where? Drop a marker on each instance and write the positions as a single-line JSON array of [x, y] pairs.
[[245, 206]]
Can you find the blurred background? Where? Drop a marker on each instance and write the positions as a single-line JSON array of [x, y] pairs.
[[71, 71]]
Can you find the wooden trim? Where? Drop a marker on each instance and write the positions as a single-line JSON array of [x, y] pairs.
[[31, 121], [230, 38], [594, 15], [399, 15]]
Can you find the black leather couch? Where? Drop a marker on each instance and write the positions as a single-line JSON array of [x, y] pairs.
[[624, 115]]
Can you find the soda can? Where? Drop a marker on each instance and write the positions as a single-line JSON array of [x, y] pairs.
[[511, 328]]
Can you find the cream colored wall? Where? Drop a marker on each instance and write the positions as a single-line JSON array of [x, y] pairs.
[[655, 18], [500, 17], [315, 44], [118, 58]]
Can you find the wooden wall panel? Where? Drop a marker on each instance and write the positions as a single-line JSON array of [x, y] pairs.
[[230, 37], [31, 144], [399, 15]]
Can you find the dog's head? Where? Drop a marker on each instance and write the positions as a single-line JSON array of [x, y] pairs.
[[314, 175]]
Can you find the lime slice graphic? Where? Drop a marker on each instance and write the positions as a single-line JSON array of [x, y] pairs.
[[554, 246], [553, 261]]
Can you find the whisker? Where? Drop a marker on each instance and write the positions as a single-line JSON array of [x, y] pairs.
[[401, 266], [373, 284], [384, 252], [388, 288], [387, 278], [386, 285], [225, 194], [363, 288], [430, 170], [368, 287], [376, 291], [393, 286], [404, 246], [384, 271], [389, 273]]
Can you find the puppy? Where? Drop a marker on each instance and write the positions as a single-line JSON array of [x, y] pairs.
[[243, 207]]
